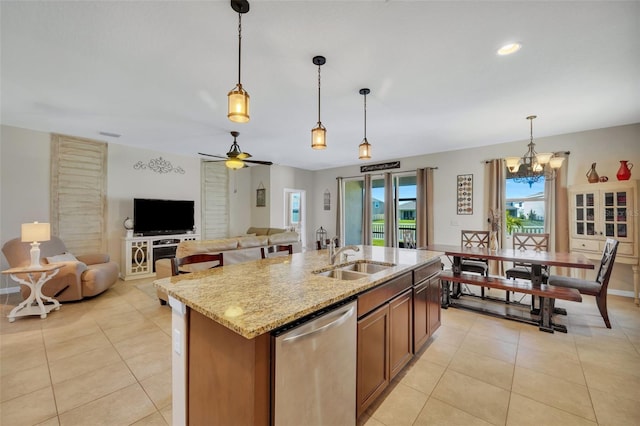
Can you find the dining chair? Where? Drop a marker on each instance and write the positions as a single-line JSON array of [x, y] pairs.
[[319, 244], [273, 251], [475, 239], [199, 258], [528, 241], [408, 241], [597, 288]]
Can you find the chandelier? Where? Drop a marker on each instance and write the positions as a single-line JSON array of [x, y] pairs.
[[532, 167]]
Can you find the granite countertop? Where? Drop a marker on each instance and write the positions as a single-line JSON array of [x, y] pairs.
[[253, 298]]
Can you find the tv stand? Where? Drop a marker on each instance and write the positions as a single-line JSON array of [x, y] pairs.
[[140, 253]]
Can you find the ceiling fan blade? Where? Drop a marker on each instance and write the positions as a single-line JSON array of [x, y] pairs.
[[211, 155], [265, 163]]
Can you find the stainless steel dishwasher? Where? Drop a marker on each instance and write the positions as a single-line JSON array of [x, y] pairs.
[[315, 369]]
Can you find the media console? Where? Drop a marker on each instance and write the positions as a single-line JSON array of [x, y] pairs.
[[139, 254]]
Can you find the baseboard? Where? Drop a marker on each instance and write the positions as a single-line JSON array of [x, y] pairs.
[[9, 290], [624, 293]]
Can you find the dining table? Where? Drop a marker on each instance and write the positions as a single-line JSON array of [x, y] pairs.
[[535, 258]]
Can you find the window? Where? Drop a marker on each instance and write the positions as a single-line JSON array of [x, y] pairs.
[[525, 206]]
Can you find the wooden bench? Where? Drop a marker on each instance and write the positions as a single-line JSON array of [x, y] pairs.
[[547, 294]]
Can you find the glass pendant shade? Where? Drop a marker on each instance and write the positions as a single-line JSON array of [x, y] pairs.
[[364, 150], [513, 163], [544, 157], [319, 137], [556, 162], [234, 163], [238, 105]]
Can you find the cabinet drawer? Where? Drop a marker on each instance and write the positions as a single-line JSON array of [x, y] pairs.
[[588, 245], [377, 296], [426, 271], [625, 249]]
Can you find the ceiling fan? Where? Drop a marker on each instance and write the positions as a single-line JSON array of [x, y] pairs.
[[236, 159]]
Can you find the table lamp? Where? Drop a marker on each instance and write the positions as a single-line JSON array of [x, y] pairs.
[[35, 232]]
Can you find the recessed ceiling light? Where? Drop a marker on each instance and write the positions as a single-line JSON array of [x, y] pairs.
[[508, 49]]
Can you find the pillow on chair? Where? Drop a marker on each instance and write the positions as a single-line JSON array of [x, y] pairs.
[[64, 257]]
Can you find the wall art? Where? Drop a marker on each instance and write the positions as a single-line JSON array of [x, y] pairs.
[[158, 165], [465, 194]]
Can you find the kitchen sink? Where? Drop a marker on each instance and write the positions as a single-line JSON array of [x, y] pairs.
[[366, 267], [354, 271], [342, 274]]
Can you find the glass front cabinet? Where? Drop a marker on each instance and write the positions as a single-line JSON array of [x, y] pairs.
[[599, 211]]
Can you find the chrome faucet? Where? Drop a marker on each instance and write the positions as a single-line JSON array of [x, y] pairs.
[[337, 252], [332, 247]]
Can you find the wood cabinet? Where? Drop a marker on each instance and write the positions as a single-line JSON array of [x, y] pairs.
[[426, 304], [385, 337], [606, 210]]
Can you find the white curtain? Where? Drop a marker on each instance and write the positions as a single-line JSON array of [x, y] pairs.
[[340, 211], [389, 212], [424, 207], [495, 200], [366, 211]]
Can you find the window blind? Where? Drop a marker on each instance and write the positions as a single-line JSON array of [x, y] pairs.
[[215, 200], [78, 193]]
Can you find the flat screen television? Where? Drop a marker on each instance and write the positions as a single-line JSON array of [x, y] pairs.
[[160, 217]]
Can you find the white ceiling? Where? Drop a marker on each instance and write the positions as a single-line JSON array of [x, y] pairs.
[[158, 73]]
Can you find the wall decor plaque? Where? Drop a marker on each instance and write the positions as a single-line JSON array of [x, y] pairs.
[[465, 194], [381, 166]]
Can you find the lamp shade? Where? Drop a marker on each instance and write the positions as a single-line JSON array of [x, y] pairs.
[[544, 157], [364, 150], [556, 162], [238, 105], [36, 232], [319, 137], [512, 163]]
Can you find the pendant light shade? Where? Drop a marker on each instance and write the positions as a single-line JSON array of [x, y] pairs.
[[364, 149], [238, 111], [319, 133]]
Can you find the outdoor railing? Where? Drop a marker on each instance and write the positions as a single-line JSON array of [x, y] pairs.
[[377, 229]]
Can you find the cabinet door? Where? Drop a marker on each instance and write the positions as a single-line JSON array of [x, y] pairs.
[[400, 332], [420, 315], [373, 357], [585, 212], [617, 208], [434, 305]]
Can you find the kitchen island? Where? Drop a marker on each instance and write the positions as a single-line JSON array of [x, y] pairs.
[[223, 319]]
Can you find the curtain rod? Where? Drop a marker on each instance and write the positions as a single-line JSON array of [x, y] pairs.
[[382, 174]]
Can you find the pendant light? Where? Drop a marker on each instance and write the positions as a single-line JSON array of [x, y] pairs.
[[319, 133], [238, 97], [365, 147]]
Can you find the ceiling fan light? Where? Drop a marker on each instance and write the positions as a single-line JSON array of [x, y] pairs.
[[234, 163], [238, 105], [319, 137], [364, 150]]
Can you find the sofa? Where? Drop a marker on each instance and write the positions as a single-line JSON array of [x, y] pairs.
[[238, 249], [81, 276]]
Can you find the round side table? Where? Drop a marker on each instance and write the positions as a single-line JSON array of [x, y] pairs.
[[37, 278]]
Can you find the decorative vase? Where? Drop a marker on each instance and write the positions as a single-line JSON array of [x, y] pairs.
[[592, 175], [624, 172], [493, 240]]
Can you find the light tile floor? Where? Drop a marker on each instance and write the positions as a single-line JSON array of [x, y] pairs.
[[107, 361]]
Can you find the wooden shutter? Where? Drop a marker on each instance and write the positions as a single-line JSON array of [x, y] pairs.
[[215, 200], [78, 193]]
